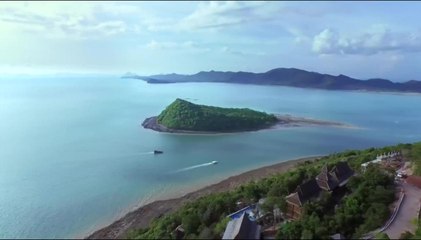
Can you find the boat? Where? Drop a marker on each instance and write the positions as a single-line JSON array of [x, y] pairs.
[[157, 152], [214, 162]]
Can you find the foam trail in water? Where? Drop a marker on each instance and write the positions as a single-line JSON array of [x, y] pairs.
[[145, 153], [193, 167]]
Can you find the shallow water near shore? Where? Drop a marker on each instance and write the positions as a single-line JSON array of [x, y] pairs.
[[73, 156]]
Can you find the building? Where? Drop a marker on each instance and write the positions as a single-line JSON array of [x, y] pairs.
[[326, 180], [375, 161], [303, 193], [388, 159], [341, 173], [242, 228], [250, 210]]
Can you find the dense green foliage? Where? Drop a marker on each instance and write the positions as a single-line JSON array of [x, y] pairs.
[[364, 207], [363, 210], [406, 235], [409, 235], [381, 236], [184, 115], [415, 156]]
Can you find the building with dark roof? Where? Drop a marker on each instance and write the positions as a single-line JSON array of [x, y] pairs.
[[337, 177], [242, 228], [326, 180], [303, 193], [342, 172]]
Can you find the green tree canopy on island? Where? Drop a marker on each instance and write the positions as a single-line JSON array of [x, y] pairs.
[[184, 115]]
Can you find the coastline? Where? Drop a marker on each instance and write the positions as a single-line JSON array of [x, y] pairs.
[[143, 216], [284, 121], [389, 92]]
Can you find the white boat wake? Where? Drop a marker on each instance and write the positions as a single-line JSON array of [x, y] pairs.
[[195, 166], [146, 153]]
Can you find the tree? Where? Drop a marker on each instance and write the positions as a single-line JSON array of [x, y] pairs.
[[406, 235], [381, 235], [290, 230], [306, 234], [191, 222], [220, 226]]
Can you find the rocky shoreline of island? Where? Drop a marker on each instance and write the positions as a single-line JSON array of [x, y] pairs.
[[285, 120]]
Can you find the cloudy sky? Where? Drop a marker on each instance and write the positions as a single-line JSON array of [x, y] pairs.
[[359, 39]]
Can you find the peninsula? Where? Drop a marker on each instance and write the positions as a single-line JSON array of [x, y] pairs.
[[292, 77], [182, 116]]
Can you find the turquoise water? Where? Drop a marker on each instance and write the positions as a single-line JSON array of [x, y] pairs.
[[73, 156]]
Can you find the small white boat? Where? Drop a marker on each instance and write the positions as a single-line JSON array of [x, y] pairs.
[[214, 162]]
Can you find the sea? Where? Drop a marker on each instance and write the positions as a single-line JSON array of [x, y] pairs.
[[74, 156]]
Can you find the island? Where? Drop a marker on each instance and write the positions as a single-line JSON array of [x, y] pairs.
[[182, 116]]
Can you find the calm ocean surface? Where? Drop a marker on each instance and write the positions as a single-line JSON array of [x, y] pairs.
[[73, 156]]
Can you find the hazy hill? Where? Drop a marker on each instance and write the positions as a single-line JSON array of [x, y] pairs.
[[289, 77]]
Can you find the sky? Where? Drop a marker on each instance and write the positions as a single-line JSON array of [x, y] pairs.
[[359, 39]]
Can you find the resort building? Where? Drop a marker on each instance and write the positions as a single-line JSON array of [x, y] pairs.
[[249, 210], [325, 180], [242, 228], [303, 193], [310, 190], [341, 173], [392, 159]]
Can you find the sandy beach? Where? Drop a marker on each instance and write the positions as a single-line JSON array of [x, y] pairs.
[[141, 217]]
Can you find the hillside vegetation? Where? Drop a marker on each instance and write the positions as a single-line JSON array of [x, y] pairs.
[[290, 77], [364, 208], [184, 115]]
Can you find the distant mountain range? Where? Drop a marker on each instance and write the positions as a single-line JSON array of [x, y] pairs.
[[288, 77]]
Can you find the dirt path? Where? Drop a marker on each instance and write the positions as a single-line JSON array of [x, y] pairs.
[[407, 213]]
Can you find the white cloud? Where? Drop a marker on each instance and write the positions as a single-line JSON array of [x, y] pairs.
[[63, 19], [299, 35], [210, 15], [119, 9], [216, 14], [187, 45], [229, 50], [326, 42], [379, 39], [106, 28], [154, 45]]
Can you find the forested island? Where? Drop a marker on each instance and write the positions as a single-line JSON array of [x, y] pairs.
[[182, 116], [287, 77]]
